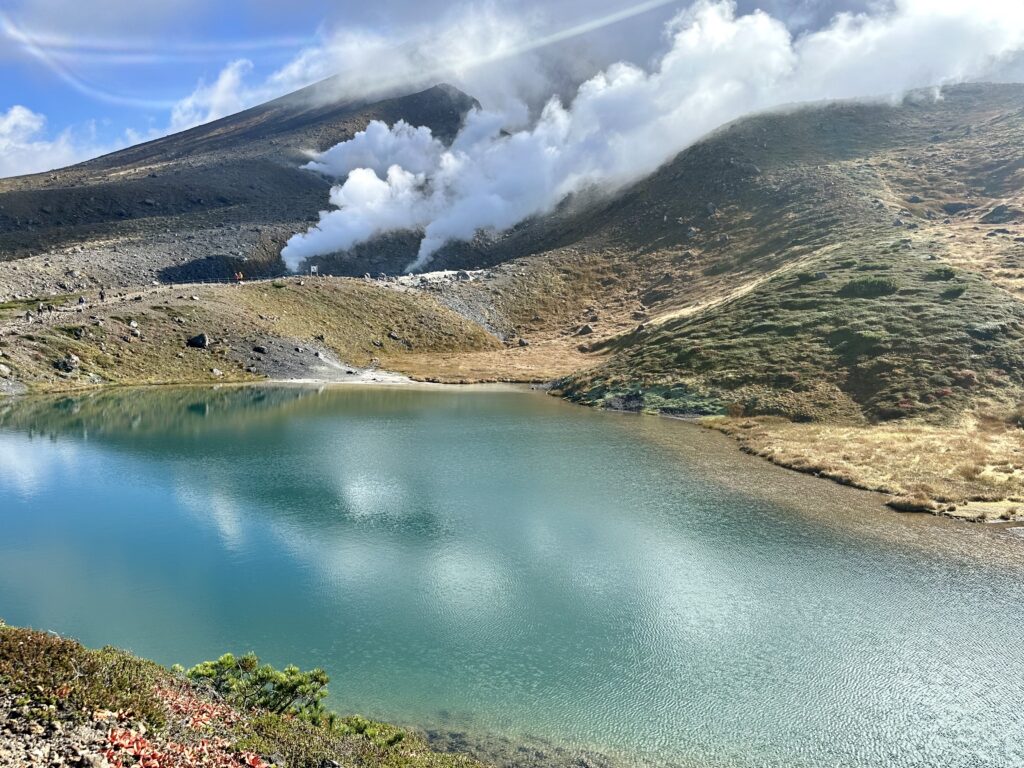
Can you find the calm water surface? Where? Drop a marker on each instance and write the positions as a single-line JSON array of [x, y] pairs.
[[503, 563]]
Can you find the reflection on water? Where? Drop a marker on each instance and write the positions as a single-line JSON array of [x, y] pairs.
[[502, 562]]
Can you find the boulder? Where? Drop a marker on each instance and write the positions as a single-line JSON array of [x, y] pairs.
[[199, 341], [523, 342], [584, 330], [5, 372], [1001, 214], [259, 349], [70, 362]]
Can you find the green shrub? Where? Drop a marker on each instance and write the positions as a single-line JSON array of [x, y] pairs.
[[247, 684], [300, 743], [941, 274], [1017, 418], [869, 287]]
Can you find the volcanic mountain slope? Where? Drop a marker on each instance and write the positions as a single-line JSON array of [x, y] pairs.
[[855, 269], [198, 204]]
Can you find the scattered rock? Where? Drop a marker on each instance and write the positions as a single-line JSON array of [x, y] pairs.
[[523, 342], [69, 363], [1002, 214], [217, 372], [585, 330], [259, 349], [199, 341]]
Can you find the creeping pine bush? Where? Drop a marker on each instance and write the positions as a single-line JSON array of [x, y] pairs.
[[247, 684], [869, 287]]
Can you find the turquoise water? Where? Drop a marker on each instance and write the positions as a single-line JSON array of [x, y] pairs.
[[503, 563]]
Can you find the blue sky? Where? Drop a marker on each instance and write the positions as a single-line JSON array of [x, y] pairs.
[[85, 76]]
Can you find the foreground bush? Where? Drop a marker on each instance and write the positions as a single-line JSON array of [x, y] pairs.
[[228, 713], [247, 684]]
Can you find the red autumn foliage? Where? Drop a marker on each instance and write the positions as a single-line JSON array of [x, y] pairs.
[[128, 749]]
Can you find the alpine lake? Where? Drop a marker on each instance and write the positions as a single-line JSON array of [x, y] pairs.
[[526, 579]]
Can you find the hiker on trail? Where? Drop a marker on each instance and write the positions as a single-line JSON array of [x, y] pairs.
[[103, 295], [28, 316], [49, 309], [39, 308], [81, 299]]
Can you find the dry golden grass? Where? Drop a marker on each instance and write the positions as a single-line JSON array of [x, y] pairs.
[[974, 469], [539, 362]]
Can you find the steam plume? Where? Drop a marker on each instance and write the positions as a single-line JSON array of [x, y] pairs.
[[625, 122]]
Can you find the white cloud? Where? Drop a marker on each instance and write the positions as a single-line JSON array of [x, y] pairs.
[[627, 121], [210, 101], [25, 148]]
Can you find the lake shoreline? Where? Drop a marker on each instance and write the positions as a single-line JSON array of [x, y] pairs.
[[978, 510], [806, 460]]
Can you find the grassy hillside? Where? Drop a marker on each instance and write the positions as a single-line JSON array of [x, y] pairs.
[[833, 284], [283, 329]]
